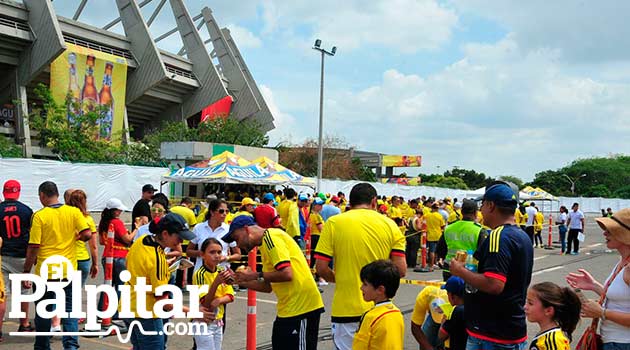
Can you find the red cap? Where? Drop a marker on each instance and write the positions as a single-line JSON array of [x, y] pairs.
[[11, 189], [335, 199]]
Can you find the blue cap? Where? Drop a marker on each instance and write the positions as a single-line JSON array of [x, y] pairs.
[[303, 197], [269, 197], [237, 223], [502, 194], [455, 285], [318, 201]]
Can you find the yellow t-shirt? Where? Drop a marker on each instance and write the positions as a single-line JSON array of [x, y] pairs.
[[82, 251], [429, 300], [203, 276], [315, 219], [292, 225], [553, 339], [146, 258], [186, 213], [283, 211], [454, 215], [355, 239], [518, 217], [300, 295], [539, 220], [435, 222], [382, 327], [201, 217], [55, 230], [425, 211], [241, 213], [394, 213]]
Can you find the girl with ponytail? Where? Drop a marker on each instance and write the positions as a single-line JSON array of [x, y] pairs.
[[557, 312]]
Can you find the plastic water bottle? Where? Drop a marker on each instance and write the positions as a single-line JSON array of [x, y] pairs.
[[471, 265]]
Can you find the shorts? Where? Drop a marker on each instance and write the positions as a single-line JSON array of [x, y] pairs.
[[299, 332], [432, 246], [11, 265], [343, 334]]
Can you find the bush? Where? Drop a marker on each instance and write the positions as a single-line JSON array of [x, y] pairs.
[[8, 149]]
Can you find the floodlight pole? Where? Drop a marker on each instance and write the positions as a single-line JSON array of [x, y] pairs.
[[320, 143]]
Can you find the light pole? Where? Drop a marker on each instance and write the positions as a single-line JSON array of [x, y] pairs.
[[573, 181], [320, 145]]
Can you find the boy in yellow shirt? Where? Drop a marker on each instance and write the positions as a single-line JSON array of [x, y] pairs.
[[382, 327]]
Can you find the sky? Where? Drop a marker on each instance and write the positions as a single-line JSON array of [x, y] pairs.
[[502, 87]]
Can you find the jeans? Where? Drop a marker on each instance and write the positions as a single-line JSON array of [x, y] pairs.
[[147, 342], [68, 324], [119, 265], [431, 329], [84, 267], [616, 346], [562, 230], [212, 339], [478, 344]]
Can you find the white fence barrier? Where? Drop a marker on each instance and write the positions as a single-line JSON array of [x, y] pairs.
[[100, 181]]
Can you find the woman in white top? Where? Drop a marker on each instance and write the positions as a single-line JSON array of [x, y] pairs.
[[615, 312], [562, 227]]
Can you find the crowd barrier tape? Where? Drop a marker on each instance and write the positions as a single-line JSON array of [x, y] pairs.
[[421, 283]]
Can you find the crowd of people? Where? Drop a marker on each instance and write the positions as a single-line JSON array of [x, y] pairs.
[[364, 245]]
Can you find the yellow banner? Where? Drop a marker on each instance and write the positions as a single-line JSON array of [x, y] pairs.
[[401, 161], [92, 79]]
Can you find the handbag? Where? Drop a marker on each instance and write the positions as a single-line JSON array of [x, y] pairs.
[[590, 340]]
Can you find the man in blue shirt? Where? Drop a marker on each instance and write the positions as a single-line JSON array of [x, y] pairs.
[[331, 209], [495, 318]]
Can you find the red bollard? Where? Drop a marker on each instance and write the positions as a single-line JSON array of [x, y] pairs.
[[423, 267], [251, 305], [549, 245]]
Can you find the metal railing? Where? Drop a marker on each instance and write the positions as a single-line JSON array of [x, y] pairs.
[[117, 52], [14, 24], [179, 71]]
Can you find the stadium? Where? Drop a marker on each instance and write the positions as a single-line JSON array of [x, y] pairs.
[[142, 85]]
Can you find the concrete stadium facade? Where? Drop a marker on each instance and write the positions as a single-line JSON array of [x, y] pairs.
[[160, 85]]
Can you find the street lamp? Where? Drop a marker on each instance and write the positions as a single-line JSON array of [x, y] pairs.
[[573, 181], [320, 145]]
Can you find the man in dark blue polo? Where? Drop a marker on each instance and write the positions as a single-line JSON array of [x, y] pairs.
[[496, 293]]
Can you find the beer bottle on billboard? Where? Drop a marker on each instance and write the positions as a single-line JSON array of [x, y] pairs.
[[74, 93], [107, 102], [89, 94]]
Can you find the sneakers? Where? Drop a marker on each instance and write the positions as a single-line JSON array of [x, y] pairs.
[[322, 283], [574, 253], [55, 328]]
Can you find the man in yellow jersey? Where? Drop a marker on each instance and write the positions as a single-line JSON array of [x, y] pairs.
[[54, 231], [285, 273], [435, 227], [456, 213], [427, 316], [353, 240], [289, 213], [185, 211]]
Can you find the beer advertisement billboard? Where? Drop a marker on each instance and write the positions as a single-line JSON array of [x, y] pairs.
[[401, 161], [91, 79]]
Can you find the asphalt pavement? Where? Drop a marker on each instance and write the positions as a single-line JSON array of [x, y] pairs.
[[548, 266]]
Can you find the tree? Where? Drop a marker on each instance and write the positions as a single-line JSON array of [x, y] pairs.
[[471, 178], [446, 182], [8, 149], [513, 179]]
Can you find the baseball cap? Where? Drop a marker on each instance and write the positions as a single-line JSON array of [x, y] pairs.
[[175, 223], [318, 201], [458, 205], [11, 189], [148, 188], [303, 197], [115, 203], [454, 285], [238, 223], [269, 197], [248, 201], [502, 193], [335, 199], [322, 196]]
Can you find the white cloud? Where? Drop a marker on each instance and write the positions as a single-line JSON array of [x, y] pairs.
[[405, 25], [285, 123], [243, 37], [501, 110]]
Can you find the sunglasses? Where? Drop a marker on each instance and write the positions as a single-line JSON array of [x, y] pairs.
[[157, 210], [221, 211]]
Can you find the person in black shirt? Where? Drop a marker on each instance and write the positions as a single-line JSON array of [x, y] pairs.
[[142, 209], [454, 328], [495, 317], [15, 226]]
